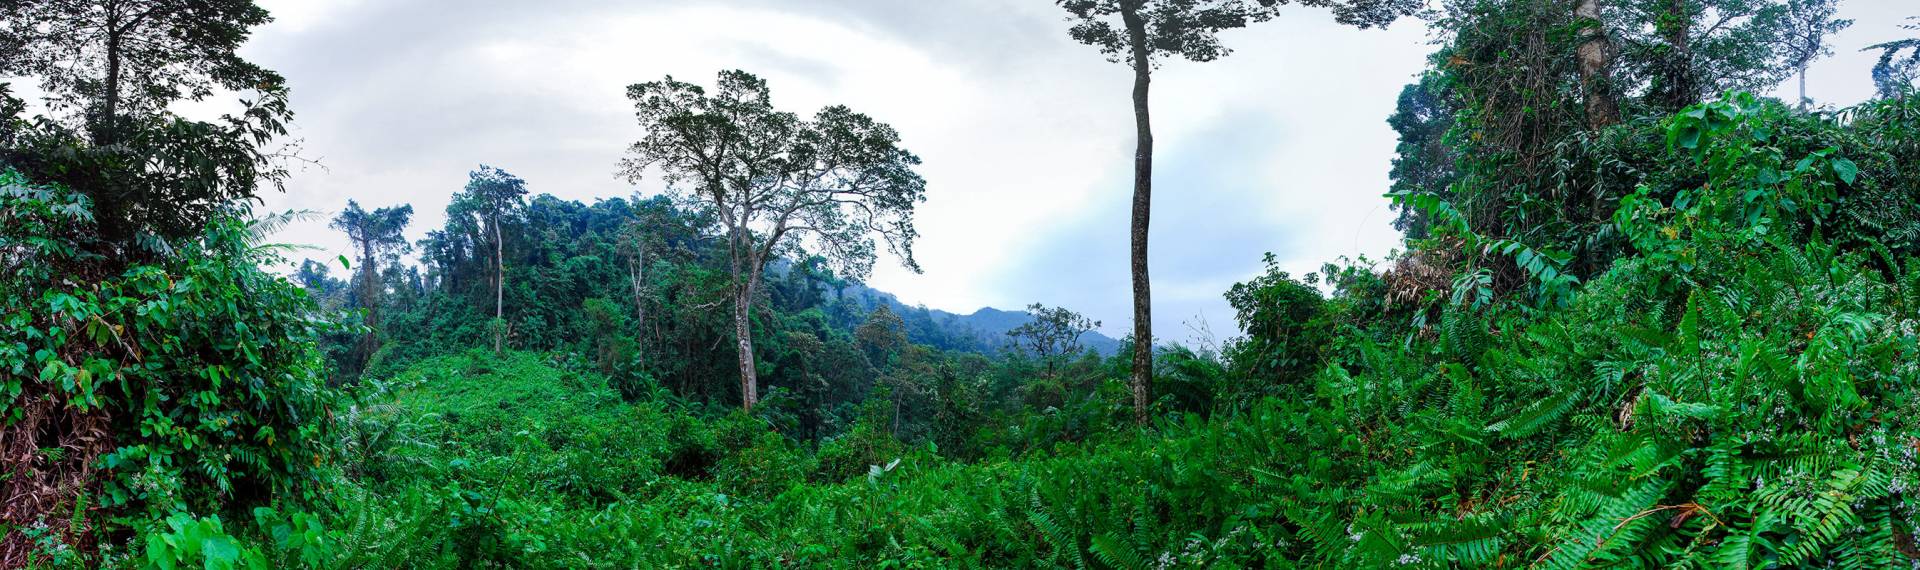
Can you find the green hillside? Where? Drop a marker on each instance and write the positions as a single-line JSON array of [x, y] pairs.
[[1643, 317]]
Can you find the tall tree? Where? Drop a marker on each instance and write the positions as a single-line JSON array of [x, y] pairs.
[[776, 182], [1138, 33], [109, 69], [1808, 23], [635, 240], [1687, 49], [1595, 54], [653, 226], [111, 58], [1422, 117], [377, 235], [494, 197]]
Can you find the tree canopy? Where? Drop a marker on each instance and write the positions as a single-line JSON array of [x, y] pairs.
[[778, 184], [110, 70]]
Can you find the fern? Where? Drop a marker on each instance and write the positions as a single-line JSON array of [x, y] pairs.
[[1116, 553]]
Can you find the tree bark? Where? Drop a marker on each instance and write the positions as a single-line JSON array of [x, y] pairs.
[[1142, 380], [108, 125], [743, 333], [367, 291], [745, 264], [1679, 88], [637, 271], [499, 288], [108, 128], [368, 300], [1595, 54]]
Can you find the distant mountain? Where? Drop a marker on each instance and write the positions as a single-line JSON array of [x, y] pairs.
[[983, 331]]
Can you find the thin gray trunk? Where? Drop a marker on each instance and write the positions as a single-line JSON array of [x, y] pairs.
[[637, 269], [1595, 54], [1142, 380], [369, 298], [368, 293], [499, 288]]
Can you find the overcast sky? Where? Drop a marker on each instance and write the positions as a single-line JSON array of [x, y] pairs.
[[1027, 136]]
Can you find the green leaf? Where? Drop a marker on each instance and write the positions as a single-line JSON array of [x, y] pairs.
[[1846, 170], [1687, 136]]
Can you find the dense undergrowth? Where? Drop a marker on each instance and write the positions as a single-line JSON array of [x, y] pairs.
[[536, 463], [1734, 393], [1679, 334]]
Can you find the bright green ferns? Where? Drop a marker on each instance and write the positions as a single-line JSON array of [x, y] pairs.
[[1738, 394]]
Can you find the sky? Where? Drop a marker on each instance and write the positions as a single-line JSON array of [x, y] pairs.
[[1027, 137]]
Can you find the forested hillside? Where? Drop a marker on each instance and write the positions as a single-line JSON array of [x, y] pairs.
[[1644, 316]]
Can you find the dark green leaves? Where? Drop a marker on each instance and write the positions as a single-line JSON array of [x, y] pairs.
[[156, 370], [1845, 169]]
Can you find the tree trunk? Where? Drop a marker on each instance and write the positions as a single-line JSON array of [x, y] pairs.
[[1142, 380], [1678, 87], [368, 300], [745, 266], [1596, 58], [109, 126], [743, 333], [367, 290], [895, 428], [499, 288], [637, 270]]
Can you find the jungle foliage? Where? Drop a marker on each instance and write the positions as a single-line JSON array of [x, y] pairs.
[[1684, 336]]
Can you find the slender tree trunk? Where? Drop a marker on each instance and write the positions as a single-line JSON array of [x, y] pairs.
[[369, 300], [1142, 381], [109, 127], [743, 333], [637, 270], [1595, 54], [367, 290], [499, 288], [895, 428]]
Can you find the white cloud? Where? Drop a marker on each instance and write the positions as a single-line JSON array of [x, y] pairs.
[[1027, 137]]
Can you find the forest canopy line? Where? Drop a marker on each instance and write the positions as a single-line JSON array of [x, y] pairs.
[[1644, 317]]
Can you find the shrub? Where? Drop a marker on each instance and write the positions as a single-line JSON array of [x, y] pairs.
[[191, 384]]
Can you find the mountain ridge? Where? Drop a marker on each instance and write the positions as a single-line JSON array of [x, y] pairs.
[[986, 325]]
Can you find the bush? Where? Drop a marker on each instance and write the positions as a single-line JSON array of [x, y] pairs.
[[191, 384], [1286, 330]]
